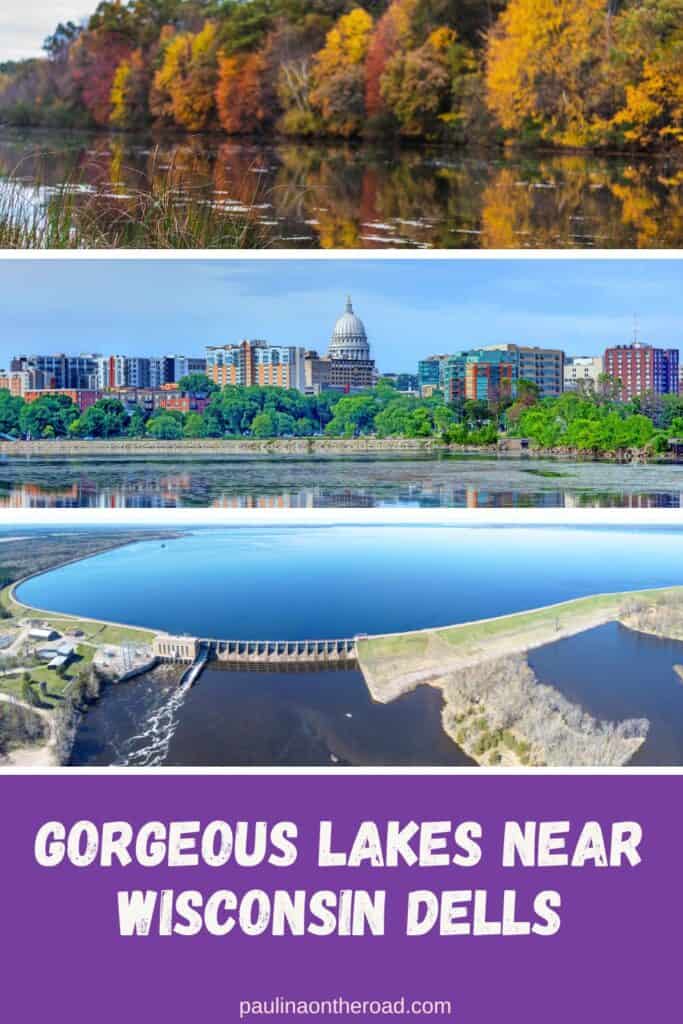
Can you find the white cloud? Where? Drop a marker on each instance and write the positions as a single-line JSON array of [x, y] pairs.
[[24, 26]]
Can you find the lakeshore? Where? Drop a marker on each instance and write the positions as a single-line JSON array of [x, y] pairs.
[[493, 708], [333, 447], [329, 194]]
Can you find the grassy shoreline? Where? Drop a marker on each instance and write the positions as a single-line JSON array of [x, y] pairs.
[[394, 664]]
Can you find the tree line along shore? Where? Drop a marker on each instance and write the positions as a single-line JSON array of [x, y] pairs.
[[569, 73], [244, 420]]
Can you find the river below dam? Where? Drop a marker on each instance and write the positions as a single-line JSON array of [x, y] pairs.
[[324, 582], [357, 195], [360, 481]]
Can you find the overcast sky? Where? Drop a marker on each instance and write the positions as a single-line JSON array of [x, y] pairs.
[[410, 308], [24, 24]]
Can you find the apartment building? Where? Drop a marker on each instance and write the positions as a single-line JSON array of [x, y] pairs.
[[479, 375], [582, 372], [642, 368], [542, 366], [255, 362]]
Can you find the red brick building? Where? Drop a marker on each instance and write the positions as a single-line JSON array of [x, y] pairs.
[[642, 368], [184, 403], [83, 399]]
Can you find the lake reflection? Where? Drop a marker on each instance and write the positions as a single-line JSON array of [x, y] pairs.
[[363, 196], [442, 480]]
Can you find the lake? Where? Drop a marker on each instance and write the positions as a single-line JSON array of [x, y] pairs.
[[362, 481], [298, 582], [333, 195], [276, 583]]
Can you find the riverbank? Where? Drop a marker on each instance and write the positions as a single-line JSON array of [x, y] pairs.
[[494, 707], [56, 703], [319, 447]]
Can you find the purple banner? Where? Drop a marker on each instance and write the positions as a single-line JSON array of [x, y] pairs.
[[615, 955]]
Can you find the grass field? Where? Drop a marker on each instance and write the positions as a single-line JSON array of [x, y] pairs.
[[561, 616]]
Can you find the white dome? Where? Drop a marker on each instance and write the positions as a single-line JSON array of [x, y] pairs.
[[349, 340]]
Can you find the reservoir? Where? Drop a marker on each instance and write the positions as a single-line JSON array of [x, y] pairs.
[[297, 583], [323, 582], [439, 480]]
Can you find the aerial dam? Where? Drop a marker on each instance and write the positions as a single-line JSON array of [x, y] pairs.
[[197, 652]]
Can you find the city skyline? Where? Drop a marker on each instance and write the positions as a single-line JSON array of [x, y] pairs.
[[411, 308]]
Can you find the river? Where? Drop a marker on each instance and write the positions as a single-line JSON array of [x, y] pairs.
[[617, 673], [298, 582], [362, 481], [362, 196]]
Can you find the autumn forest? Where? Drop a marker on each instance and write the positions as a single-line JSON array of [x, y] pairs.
[[565, 73]]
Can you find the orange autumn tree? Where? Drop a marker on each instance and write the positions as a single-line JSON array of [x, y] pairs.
[[393, 31], [241, 95], [547, 70], [338, 77], [185, 83]]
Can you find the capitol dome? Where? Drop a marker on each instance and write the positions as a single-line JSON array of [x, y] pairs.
[[349, 340]]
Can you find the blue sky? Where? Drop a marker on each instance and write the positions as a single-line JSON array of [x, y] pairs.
[[24, 25], [410, 308]]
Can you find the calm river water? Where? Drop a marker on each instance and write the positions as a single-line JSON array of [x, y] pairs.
[[275, 583], [616, 673], [352, 481], [354, 196]]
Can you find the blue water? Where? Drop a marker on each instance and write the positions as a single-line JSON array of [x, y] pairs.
[[617, 673], [304, 582]]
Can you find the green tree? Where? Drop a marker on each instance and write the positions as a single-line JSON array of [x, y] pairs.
[[353, 415], [10, 412], [105, 418], [197, 384], [194, 425], [165, 427], [48, 416]]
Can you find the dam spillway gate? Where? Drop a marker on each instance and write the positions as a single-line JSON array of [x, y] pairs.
[[285, 652]]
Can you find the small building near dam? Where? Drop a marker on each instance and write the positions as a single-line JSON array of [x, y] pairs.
[[175, 648]]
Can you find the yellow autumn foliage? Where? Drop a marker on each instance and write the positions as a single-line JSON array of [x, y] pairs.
[[346, 44], [545, 70], [186, 80]]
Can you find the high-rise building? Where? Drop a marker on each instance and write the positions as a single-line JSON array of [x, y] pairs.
[[255, 362], [58, 370], [111, 372], [430, 374], [542, 366], [581, 372], [642, 368], [183, 366], [480, 375], [15, 383]]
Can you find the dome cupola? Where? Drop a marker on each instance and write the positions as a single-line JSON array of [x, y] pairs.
[[349, 340]]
